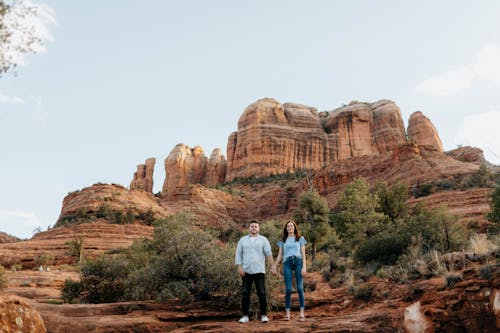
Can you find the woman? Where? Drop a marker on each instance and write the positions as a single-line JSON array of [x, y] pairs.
[[293, 252]]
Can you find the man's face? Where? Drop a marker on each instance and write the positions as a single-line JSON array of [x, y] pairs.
[[254, 228]]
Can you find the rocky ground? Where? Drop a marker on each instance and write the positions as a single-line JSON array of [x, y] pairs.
[[472, 305]]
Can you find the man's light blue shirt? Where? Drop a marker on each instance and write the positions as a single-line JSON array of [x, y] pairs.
[[251, 255]]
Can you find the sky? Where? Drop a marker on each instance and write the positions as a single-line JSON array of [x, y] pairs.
[[122, 81]]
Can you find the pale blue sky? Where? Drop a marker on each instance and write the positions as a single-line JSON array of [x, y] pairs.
[[123, 81]]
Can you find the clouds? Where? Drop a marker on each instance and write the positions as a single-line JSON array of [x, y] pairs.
[[481, 130], [485, 66], [18, 222], [11, 99]]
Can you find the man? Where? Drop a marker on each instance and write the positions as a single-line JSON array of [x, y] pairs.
[[250, 259]]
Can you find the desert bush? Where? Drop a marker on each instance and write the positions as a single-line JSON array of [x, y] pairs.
[[43, 260], [422, 190], [485, 271], [273, 230], [382, 273], [363, 292], [480, 245], [451, 278], [103, 279], [227, 235], [3, 277], [322, 262], [384, 248], [398, 273], [71, 291]]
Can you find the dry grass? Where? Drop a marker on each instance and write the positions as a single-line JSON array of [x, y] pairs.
[[480, 245]]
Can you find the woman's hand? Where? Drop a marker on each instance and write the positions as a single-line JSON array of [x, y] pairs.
[[241, 271], [304, 272]]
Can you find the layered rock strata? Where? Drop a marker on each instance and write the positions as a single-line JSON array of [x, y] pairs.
[[106, 199], [143, 177], [274, 138]]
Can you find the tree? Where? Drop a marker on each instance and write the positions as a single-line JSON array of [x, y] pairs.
[[313, 210], [23, 30], [494, 214], [392, 201], [357, 218]]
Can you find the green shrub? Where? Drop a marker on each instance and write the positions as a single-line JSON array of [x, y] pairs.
[[422, 190], [103, 279], [451, 278], [363, 292], [485, 272], [71, 291], [384, 248]]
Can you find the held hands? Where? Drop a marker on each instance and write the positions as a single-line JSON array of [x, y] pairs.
[[304, 272], [241, 272], [273, 270]]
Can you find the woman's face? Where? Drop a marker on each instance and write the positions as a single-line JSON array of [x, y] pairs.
[[290, 228]]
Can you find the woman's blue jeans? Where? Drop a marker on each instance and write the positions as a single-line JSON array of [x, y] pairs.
[[293, 264]]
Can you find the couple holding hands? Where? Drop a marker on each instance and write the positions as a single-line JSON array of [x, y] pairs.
[[250, 260]]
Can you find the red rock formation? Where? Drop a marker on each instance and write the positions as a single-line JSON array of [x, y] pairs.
[[467, 154], [469, 205], [98, 237], [90, 200], [408, 164], [6, 238], [422, 132], [216, 168], [274, 138], [143, 177], [213, 208], [183, 166], [17, 315]]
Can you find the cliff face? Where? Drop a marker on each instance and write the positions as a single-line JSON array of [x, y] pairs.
[[274, 138]]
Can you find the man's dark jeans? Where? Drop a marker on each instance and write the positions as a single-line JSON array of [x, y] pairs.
[[260, 285]]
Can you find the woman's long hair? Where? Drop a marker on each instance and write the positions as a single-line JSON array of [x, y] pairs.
[[296, 231]]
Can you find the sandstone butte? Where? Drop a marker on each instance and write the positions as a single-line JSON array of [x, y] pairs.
[[335, 147]]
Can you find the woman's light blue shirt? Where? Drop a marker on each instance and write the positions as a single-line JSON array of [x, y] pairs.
[[291, 247]]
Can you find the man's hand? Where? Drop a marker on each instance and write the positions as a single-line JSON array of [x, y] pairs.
[[304, 272], [273, 270], [241, 271]]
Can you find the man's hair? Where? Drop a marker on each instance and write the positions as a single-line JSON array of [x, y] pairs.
[[253, 221]]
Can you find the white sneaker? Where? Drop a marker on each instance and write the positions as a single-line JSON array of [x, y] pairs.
[[264, 319], [244, 319]]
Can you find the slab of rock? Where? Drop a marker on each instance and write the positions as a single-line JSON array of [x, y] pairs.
[[54, 245], [17, 315]]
